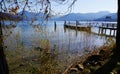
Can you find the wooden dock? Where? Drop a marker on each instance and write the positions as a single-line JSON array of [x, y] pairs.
[[76, 26], [88, 29], [103, 28]]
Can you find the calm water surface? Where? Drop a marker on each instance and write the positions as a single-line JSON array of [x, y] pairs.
[[33, 35], [65, 41]]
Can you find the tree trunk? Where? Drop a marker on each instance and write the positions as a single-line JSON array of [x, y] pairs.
[[118, 31], [3, 62], [111, 64]]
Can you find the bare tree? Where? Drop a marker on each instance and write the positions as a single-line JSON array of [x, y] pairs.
[[111, 64], [13, 6], [118, 31], [3, 62]]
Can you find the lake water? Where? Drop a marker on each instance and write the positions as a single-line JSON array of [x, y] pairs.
[[33, 34], [65, 41]]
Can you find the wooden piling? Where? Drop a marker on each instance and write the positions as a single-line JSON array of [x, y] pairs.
[[110, 32], [114, 33], [99, 31], [113, 25], [105, 31], [64, 22], [76, 25], [55, 26]]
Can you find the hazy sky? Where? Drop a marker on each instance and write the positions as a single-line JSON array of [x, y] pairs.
[[85, 6], [80, 6]]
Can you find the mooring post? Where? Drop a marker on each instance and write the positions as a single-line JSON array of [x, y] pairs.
[[114, 33], [102, 30], [112, 25], [106, 27], [110, 32], [64, 22], [99, 31], [76, 24], [55, 26], [76, 33], [105, 31]]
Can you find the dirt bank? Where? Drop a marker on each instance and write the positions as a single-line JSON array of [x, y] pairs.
[[91, 61]]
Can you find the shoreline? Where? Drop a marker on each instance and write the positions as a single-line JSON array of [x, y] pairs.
[[86, 56]]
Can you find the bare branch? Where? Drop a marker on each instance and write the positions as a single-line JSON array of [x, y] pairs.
[[24, 7]]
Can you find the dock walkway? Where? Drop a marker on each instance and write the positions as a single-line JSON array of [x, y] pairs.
[[103, 27]]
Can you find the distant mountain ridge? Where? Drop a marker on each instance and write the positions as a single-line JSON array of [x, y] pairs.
[[86, 16], [109, 17], [99, 16], [32, 16], [68, 17]]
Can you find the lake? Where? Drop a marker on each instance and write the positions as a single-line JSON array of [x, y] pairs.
[[69, 44]]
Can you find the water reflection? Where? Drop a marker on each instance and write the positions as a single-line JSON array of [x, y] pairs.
[[54, 38], [56, 33]]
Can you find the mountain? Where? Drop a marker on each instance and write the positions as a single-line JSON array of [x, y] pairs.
[[71, 17], [92, 16], [109, 17], [34, 16], [27, 15], [99, 16], [82, 16], [31, 15]]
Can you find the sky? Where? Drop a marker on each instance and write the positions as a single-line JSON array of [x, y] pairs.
[[87, 6], [80, 6]]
